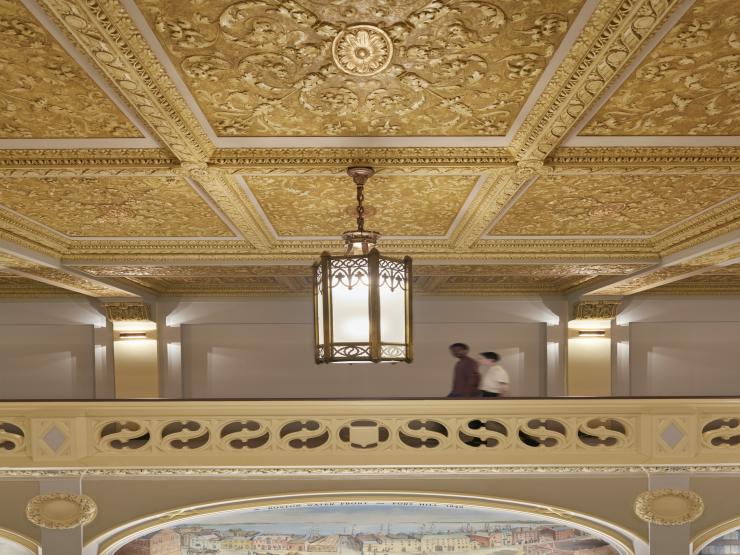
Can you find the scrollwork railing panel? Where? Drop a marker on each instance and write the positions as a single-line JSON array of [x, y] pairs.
[[420, 433], [12, 438], [721, 433], [605, 432], [369, 432], [114, 436]]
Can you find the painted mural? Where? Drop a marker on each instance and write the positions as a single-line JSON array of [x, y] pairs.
[[8, 547], [729, 544], [369, 528]]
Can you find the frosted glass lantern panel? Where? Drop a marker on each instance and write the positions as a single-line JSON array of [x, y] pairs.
[[392, 315], [319, 308], [350, 308]]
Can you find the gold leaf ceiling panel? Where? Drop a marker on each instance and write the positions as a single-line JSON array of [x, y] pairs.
[[617, 205], [724, 280], [114, 206], [300, 68], [221, 285], [43, 92], [20, 287], [688, 85], [300, 206]]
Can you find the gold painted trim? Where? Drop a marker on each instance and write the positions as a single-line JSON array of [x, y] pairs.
[[708, 535], [272, 471], [551, 512], [87, 510], [20, 539], [644, 507]]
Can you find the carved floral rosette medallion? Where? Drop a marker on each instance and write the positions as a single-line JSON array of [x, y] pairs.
[[669, 507], [60, 510], [362, 50]]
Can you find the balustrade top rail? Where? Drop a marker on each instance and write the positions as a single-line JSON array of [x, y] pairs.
[[362, 432]]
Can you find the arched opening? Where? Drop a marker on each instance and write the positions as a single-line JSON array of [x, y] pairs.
[[721, 540], [368, 525], [15, 544]]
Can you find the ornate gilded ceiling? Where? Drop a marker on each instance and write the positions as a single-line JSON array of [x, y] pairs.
[[43, 91], [617, 205], [114, 206], [399, 205], [688, 85], [183, 148], [271, 68]]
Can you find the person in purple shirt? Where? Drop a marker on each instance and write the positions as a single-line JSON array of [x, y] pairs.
[[465, 377]]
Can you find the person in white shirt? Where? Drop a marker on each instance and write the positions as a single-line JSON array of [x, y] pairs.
[[494, 380]]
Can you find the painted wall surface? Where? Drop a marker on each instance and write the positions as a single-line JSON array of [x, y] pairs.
[[589, 365], [692, 358], [264, 348], [136, 369], [276, 360], [47, 362]]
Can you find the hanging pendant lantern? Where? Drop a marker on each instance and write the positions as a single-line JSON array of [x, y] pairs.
[[362, 300]]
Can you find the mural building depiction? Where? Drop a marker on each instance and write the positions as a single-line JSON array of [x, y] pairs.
[[729, 544], [369, 528]]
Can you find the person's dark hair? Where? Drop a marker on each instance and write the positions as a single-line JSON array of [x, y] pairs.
[[459, 345], [490, 355]]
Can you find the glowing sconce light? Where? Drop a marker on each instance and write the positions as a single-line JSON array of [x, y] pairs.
[[362, 300], [591, 333]]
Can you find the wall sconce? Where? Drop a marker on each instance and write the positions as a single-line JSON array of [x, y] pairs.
[[132, 335], [591, 333]]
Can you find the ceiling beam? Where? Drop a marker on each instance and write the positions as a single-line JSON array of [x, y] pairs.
[[106, 34], [614, 35], [689, 262], [39, 267], [233, 203]]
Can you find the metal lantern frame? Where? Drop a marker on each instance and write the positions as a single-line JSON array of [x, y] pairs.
[[361, 265]]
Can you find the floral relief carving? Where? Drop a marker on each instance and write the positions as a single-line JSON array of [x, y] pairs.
[[362, 50], [625, 205], [61, 510], [395, 205], [114, 206], [455, 67], [197, 271], [43, 92], [213, 285], [30, 270], [689, 85], [12, 287]]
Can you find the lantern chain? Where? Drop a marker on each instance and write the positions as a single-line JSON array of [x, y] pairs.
[[360, 182]]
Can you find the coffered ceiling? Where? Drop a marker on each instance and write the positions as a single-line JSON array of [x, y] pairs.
[[188, 148]]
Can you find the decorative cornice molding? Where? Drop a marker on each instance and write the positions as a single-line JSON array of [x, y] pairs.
[[85, 157], [124, 58], [595, 310], [254, 159], [225, 192], [61, 510], [409, 470], [669, 507], [615, 32], [693, 157], [118, 311]]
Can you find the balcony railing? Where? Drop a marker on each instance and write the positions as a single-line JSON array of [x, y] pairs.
[[154, 434]]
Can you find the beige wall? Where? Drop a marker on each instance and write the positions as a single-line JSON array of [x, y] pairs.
[[47, 362], [136, 367], [589, 365]]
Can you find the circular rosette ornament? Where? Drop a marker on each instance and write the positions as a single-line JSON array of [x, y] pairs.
[[669, 507], [362, 50], [61, 510]]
